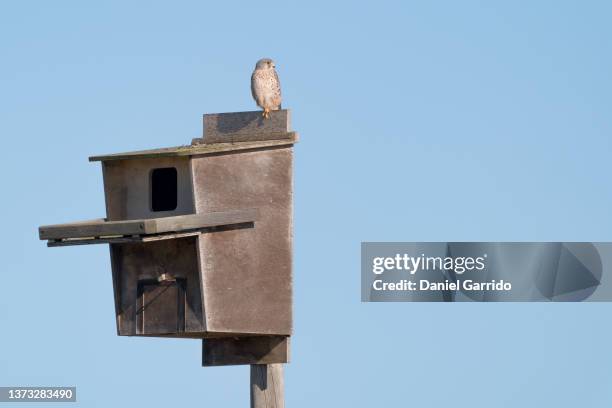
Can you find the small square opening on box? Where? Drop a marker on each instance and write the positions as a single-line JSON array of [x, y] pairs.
[[164, 189], [160, 307]]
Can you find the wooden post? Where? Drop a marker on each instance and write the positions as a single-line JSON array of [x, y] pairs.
[[267, 386]]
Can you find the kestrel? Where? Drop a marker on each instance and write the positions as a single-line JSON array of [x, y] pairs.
[[265, 86]]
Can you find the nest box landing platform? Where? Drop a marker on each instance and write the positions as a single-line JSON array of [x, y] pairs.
[[200, 238]]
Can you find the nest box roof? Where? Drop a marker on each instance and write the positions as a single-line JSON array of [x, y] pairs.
[[225, 133], [200, 149]]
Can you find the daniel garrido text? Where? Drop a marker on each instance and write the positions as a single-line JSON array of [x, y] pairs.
[[424, 284], [448, 265]]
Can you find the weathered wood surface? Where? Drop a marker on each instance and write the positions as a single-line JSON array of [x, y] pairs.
[[94, 228], [200, 149], [250, 290], [103, 228], [244, 137], [136, 263], [128, 188], [246, 126], [245, 350], [205, 220], [267, 386], [119, 239]]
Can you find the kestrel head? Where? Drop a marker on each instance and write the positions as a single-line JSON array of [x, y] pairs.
[[265, 63]]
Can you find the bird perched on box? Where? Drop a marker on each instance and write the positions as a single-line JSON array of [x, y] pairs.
[[265, 86]]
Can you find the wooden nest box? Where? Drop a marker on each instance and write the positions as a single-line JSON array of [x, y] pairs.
[[200, 238]]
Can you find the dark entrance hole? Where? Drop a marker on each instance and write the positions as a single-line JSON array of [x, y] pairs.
[[164, 189]]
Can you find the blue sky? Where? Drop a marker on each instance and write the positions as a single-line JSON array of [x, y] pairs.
[[419, 121]]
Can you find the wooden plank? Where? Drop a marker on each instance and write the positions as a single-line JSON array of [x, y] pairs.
[[94, 228], [103, 228], [243, 137], [245, 126], [267, 386], [118, 240], [200, 149], [245, 350], [194, 221]]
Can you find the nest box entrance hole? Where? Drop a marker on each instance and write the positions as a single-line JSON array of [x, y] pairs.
[[164, 189]]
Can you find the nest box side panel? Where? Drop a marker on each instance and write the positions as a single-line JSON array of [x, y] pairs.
[[146, 306], [247, 273], [147, 188]]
